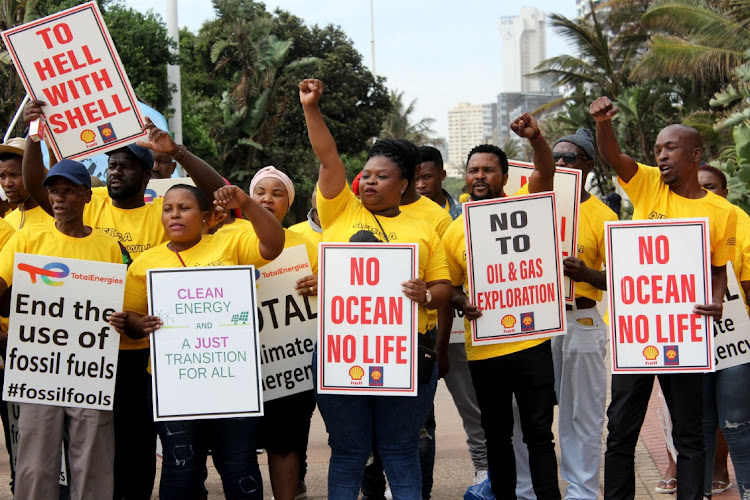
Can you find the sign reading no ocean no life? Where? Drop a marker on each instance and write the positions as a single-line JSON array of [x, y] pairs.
[[205, 360], [514, 268], [656, 272], [68, 60]]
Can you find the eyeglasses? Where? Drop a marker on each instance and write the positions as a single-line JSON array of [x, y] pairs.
[[568, 158]]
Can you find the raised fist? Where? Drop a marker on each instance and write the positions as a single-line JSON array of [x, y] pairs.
[[525, 126], [310, 91], [602, 109]]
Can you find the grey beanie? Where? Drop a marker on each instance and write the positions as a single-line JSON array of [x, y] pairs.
[[584, 139]]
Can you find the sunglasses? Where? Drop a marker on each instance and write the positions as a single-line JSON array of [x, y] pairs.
[[568, 158]]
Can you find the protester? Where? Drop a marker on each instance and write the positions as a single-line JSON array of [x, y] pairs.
[[164, 166], [310, 228], [670, 191], [580, 373], [429, 180], [6, 231], [185, 442], [723, 405], [42, 426], [389, 424], [27, 210], [120, 211], [614, 201], [285, 425], [524, 368]]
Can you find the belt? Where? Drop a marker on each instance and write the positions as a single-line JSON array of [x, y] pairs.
[[582, 303]]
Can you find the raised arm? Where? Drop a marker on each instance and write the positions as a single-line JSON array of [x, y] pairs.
[[602, 110], [33, 163], [269, 230], [543, 177], [332, 177], [205, 177]]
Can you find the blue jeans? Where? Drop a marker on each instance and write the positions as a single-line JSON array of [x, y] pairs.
[[232, 444], [389, 423], [725, 402]]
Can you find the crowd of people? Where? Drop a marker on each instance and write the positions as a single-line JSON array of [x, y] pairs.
[[505, 393]]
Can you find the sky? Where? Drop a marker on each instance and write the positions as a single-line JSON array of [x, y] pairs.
[[439, 52]]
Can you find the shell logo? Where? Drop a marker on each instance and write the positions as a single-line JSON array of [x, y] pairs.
[[88, 136], [356, 372], [508, 321], [376, 375], [671, 354], [650, 353], [527, 320], [106, 132]]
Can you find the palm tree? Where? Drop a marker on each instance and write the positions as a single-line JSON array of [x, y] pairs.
[[398, 124]]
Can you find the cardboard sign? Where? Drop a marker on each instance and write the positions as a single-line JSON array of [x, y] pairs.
[[367, 336], [515, 268], [567, 200], [656, 272], [288, 325], [205, 359], [157, 188], [68, 61], [61, 348], [732, 331]]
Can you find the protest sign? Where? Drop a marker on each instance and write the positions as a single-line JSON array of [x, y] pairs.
[[68, 61], [458, 328], [653, 282], [567, 200], [367, 334], [204, 358], [514, 268], [157, 188], [61, 348], [732, 331], [287, 323]]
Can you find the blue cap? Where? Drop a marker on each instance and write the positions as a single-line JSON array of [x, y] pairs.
[[144, 155], [72, 170]]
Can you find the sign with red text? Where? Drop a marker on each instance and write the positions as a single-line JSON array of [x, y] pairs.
[[68, 61], [288, 325], [458, 328], [61, 349], [656, 272], [205, 358], [367, 333], [567, 200], [515, 268], [732, 331]]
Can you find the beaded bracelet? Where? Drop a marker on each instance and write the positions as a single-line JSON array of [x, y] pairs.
[[180, 153]]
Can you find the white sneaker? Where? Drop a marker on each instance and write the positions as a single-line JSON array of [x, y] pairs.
[[480, 476]]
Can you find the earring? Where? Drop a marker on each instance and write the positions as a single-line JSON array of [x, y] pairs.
[[204, 221]]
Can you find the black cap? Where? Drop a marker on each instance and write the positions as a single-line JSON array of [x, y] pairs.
[[72, 170], [143, 154]]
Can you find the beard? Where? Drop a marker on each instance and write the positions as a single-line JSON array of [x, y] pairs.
[[125, 192], [489, 195]]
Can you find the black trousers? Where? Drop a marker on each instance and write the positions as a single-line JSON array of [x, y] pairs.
[[528, 375], [135, 433], [630, 395]]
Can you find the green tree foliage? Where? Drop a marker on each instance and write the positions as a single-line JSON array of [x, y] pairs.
[[399, 124]]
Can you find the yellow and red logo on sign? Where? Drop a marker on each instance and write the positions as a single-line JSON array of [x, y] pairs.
[[88, 136], [508, 321], [107, 133], [650, 353], [356, 372]]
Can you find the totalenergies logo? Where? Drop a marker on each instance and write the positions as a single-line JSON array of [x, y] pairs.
[[51, 270], [508, 321]]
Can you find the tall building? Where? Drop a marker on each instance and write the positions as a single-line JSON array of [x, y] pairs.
[[469, 125], [524, 47], [583, 7], [512, 104]]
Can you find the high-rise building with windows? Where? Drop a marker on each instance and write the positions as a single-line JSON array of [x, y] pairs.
[[524, 47], [468, 126]]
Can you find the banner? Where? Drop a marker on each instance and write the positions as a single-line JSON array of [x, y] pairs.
[[157, 188], [288, 325], [567, 200], [656, 272], [205, 359], [61, 348], [367, 336], [514, 268], [732, 331], [68, 61]]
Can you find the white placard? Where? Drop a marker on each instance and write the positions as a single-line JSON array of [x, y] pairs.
[[205, 359], [567, 200], [656, 272], [68, 61], [157, 188], [288, 325], [515, 268], [61, 348], [732, 331], [367, 336], [458, 328]]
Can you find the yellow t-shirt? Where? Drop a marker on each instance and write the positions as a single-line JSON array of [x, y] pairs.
[[652, 199], [45, 239], [304, 228], [36, 215], [238, 225], [229, 248], [6, 231], [138, 229], [293, 239], [344, 217], [593, 215], [427, 210]]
